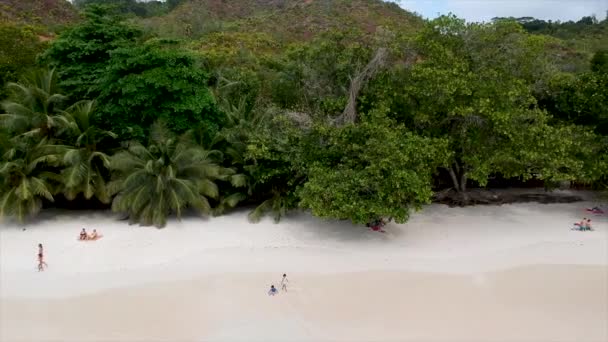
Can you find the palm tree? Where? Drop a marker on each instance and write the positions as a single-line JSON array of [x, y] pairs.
[[85, 164], [167, 176], [277, 205], [34, 107], [25, 179], [4, 142]]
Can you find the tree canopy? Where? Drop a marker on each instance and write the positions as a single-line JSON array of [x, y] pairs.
[[356, 110]]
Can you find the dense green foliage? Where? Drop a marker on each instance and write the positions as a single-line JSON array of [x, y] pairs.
[[167, 176], [131, 7], [48, 14], [355, 110], [19, 46], [155, 81], [371, 170], [82, 53]]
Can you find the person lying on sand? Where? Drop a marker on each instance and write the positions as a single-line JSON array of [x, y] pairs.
[[83, 234], [595, 210], [273, 291]]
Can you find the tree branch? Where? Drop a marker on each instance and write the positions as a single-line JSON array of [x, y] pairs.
[[454, 178], [349, 115]]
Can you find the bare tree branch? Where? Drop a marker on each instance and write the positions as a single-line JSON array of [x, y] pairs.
[[349, 115]]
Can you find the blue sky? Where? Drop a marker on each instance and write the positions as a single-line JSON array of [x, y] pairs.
[[484, 10]]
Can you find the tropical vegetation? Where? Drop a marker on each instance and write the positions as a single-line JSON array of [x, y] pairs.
[[354, 110]]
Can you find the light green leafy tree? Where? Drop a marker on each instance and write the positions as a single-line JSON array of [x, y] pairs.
[[473, 87], [375, 169]]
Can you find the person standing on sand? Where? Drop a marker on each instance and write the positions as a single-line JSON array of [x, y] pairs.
[[41, 263], [284, 282]]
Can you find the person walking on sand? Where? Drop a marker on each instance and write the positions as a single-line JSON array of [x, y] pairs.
[[41, 263], [273, 291], [284, 282]]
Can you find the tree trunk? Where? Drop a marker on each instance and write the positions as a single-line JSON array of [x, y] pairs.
[[463, 182], [459, 179], [454, 178]]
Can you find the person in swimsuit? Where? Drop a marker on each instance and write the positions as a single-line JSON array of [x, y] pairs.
[[273, 291], [284, 283], [41, 263], [93, 235], [83, 234], [580, 225], [588, 225]]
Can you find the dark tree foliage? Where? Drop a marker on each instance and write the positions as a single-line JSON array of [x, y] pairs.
[[19, 46], [151, 81], [142, 9], [599, 62], [82, 53]]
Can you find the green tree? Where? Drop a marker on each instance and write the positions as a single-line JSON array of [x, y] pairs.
[[465, 90], [242, 122], [275, 166], [19, 47], [599, 62], [317, 74], [128, 7], [166, 177], [82, 53], [34, 107], [371, 170], [579, 99], [153, 81], [85, 166], [25, 180]]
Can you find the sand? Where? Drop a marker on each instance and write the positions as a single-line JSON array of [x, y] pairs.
[[486, 273]]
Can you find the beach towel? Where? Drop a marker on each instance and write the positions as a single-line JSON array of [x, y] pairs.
[[595, 210]]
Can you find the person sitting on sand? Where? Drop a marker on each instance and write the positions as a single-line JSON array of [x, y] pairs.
[[94, 235], [83, 234], [273, 291], [580, 225], [588, 225]]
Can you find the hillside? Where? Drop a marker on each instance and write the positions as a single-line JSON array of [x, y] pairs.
[[284, 20], [46, 13]]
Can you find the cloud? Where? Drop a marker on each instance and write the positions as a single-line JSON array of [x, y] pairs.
[[484, 10]]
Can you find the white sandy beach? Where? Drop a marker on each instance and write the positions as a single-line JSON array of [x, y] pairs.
[[485, 273]]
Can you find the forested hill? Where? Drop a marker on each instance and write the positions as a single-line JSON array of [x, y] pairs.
[[47, 13], [587, 34], [286, 20]]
